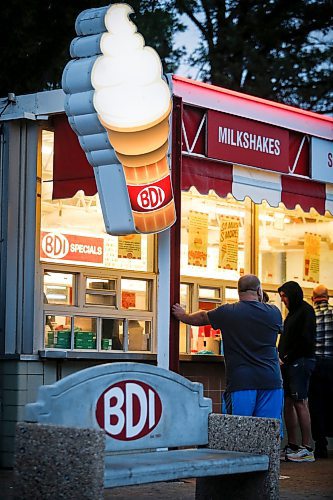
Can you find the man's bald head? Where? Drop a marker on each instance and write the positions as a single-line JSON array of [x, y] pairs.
[[320, 292], [249, 282]]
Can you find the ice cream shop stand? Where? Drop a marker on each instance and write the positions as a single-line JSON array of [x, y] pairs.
[[252, 191]]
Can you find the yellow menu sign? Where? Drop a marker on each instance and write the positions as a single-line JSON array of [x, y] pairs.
[[311, 257], [129, 247], [228, 244], [197, 239]]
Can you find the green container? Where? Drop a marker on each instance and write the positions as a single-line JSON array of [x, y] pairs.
[[84, 335], [85, 345], [62, 339], [106, 344], [50, 339], [85, 340]]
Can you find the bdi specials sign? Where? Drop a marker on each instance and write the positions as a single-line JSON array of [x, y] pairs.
[[247, 142], [71, 247]]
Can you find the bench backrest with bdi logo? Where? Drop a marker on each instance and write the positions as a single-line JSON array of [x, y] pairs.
[[139, 406]]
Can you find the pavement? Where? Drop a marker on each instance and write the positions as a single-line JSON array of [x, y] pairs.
[[297, 482]]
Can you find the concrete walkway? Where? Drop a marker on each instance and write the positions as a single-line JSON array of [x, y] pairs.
[[298, 482]]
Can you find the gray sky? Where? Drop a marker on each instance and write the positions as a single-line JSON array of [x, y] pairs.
[[190, 39]]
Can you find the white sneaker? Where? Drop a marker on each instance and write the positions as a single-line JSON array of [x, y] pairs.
[[284, 452], [301, 455]]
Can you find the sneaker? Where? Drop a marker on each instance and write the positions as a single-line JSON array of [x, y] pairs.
[[283, 453], [301, 455]]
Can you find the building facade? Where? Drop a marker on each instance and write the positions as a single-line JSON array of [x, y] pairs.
[[253, 185]]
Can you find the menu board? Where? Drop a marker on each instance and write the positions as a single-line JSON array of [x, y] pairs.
[[228, 243], [311, 257], [129, 247], [197, 238]]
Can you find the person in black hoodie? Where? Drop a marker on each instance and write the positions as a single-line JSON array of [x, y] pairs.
[[297, 360]]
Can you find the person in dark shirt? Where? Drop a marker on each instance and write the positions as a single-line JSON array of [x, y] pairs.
[[296, 351], [250, 329], [321, 381]]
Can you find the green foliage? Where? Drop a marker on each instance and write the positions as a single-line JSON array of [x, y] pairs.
[[36, 36], [278, 49]]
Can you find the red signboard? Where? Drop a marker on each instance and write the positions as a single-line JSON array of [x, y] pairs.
[[128, 410], [71, 247], [247, 142]]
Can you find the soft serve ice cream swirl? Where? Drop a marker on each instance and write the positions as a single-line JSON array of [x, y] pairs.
[[130, 94]]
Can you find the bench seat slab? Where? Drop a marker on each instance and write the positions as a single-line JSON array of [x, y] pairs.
[[140, 468]]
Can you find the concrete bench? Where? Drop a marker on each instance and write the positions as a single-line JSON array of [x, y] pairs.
[[129, 423]]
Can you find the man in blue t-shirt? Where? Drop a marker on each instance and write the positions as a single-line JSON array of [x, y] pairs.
[[250, 330]]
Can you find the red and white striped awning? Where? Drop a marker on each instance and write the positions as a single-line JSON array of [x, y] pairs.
[[289, 184], [259, 185]]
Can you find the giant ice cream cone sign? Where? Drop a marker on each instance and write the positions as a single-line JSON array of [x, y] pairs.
[[131, 104]]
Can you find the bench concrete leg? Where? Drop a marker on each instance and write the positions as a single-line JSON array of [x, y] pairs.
[[248, 434], [53, 462]]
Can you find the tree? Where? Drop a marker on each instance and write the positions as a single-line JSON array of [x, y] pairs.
[[36, 36], [277, 49]]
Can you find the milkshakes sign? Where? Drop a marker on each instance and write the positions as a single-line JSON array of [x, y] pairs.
[[247, 142]]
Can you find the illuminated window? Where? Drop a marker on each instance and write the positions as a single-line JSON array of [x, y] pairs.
[[73, 231], [295, 245], [101, 292], [59, 288], [135, 294], [214, 238]]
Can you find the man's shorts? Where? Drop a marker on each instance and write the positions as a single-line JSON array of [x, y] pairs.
[[296, 378], [254, 403]]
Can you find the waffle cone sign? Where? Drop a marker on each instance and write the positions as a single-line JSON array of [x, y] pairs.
[[131, 104]]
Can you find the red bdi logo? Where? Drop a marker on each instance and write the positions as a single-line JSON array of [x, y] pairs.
[[55, 246], [151, 197], [128, 410]]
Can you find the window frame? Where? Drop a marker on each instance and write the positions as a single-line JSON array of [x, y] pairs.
[[81, 309]]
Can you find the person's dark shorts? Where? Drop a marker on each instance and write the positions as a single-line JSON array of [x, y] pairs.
[[296, 378]]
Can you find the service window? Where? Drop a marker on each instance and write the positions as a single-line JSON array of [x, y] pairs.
[[101, 291], [209, 298], [97, 291], [85, 332], [59, 288], [58, 331], [139, 335], [135, 294], [112, 334], [231, 295], [110, 326]]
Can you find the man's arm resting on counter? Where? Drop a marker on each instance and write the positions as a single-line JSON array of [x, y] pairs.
[[199, 318]]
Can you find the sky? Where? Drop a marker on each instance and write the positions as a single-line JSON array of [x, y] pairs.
[[190, 39]]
